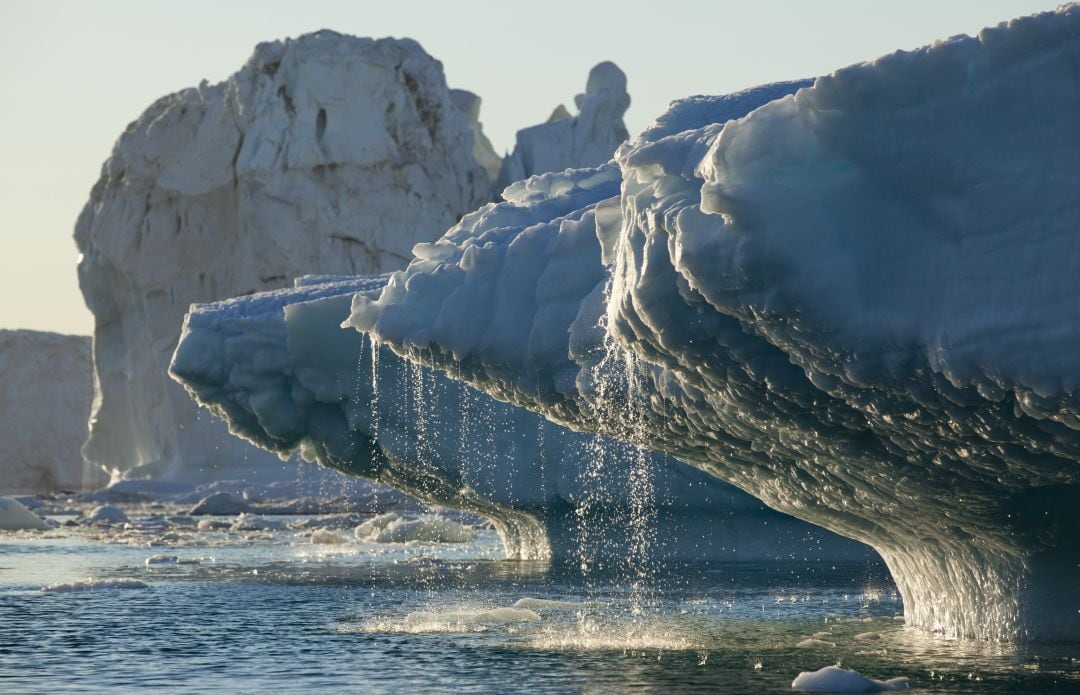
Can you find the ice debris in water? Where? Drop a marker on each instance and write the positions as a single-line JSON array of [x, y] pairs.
[[393, 528], [16, 517], [814, 643], [162, 560], [833, 679], [106, 515], [546, 603], [324, 537], [437, 621], [90, 584]]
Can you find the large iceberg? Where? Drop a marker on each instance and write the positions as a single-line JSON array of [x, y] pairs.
[[326, 153], [286, 375], [857, 303], [45, 393]]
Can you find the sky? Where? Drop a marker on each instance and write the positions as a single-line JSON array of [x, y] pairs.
[[74, 74]]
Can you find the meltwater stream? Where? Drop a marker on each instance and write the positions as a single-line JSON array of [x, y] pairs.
[[264, 607]]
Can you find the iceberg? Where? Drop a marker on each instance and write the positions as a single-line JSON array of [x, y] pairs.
[[856, 303], [284, 373], [45, 393], [568, 141], [326, 153]]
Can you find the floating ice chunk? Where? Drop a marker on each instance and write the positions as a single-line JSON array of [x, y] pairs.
[[251, 522], [106, 515], [868, 636], [833, 679], [212, 525], [90, 584], [324, 537], [220, 504], [814, 643], [428, 620], [545, 603], [15, 517], [822, 635], [162, 560], [393, 528]]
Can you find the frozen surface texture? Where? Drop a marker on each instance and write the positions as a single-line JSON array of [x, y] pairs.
[[857, 303], [327, 153], [46, 386], [286, 375], [571, 142]]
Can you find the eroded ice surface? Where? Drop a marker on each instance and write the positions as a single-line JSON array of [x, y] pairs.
[[856, 303], [325, 153], [287, 376]]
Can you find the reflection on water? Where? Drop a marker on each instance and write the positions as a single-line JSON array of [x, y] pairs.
[[270, 610]]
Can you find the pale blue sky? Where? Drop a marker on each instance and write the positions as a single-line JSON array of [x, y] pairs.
[[74, 74]]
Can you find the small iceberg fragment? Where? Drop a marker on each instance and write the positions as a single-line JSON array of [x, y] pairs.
[[833, 679], [393, 528], [90, 584], [220, 504], [162, 560], [814, 643], [431, 621], [324, 537], [549, 604], [106, 515], [16, 517]]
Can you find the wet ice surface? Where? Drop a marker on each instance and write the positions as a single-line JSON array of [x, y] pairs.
[[258, 606]]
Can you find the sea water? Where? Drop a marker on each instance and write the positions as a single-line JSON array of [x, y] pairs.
[[179, 609]]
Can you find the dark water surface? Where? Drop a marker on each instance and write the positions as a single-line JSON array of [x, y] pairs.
[[270, 611]]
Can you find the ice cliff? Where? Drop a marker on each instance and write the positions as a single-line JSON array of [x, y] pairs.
[[327, 153], [286, 375], [45, 394], [857, 303]]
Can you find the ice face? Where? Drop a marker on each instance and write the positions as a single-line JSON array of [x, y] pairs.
[[284, 373], [326, 153], [46, 386], [856, 303]]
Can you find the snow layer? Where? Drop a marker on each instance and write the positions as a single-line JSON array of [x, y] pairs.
[[285, 374], [45, 393], [325, 153], [856, 303], [572, 142]]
